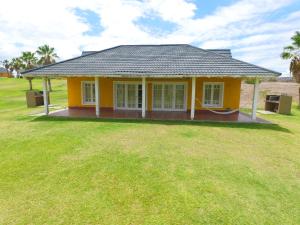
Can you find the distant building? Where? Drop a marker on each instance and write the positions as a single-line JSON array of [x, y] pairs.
[[3, 73]]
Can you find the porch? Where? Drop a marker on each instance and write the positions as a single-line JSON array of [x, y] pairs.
[[200, 115], [101, 97]]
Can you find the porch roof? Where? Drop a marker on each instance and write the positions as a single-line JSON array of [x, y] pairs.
[[178, 60]]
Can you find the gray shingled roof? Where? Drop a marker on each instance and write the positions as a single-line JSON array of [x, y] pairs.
[[87, 52], [226, 52], [154, 61]]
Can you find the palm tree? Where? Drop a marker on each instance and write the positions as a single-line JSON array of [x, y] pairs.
[[29, 62], [5, 63], [16, 64], [47, 56], [292, 52]]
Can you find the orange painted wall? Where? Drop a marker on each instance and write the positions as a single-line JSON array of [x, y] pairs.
[[232, 88], [5, 75]]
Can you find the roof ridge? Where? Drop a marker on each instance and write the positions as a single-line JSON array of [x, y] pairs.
[[156, 45], [217, 48], [210, 52]]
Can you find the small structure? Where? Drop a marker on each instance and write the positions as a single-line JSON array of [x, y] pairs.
[[4, 73], [150, 81], [35, 98], [281, 104]]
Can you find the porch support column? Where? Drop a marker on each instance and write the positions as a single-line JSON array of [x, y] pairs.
[[144, 97], [193, 97], [255, 99], [97, 102], [45, 95]]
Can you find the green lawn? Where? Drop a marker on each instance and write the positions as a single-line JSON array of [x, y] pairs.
[[71, 171]]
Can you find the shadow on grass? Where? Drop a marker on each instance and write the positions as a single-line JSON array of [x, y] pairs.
[[256, 126]]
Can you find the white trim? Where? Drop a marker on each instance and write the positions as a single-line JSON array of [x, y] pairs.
[[82, 92], [45, 95], [222, 95], [193, 97], [163, 83], [255, 98], [126, 93], [162, 76], [143, 97], [97, 97]]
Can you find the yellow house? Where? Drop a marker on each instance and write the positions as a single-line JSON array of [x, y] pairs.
[[154, 81]]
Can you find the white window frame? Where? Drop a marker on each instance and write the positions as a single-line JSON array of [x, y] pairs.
[[173, 100], [221, 97], [126, 94], [83, 102]]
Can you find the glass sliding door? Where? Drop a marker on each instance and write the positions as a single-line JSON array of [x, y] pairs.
[[140, 96], [120, 95], [179, 96], [157, 96], [128, 95], [169, 96], [131, 96]]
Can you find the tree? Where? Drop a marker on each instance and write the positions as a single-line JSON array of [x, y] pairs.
[[47, 56], [5, 64], [292, 52], [29, 62], [16, 64]]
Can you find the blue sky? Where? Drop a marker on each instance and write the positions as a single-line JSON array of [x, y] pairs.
[[255, 30]]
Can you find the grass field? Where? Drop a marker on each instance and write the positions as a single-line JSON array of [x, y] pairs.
[[71, 171]]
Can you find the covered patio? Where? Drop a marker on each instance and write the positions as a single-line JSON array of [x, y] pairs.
[[201, 115]]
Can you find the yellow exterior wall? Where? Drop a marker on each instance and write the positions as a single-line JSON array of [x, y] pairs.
[[232, 88], [74, 91]]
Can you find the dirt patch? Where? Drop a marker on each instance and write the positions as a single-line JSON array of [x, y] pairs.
[[265, 88]]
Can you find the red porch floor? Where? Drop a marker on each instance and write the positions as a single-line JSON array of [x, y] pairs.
[[161, 115]]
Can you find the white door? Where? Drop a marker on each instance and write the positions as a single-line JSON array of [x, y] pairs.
[[128, 96], [169, 96]]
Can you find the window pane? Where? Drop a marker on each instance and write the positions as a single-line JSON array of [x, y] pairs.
[[88, 92], [216, 94], [140, 95], [120, 95], [207, 96], [168, 96], [131, 96], [179, 96], [93, 99], [157, 96]]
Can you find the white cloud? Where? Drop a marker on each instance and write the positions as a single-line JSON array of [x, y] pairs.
[[172, 10], [242, 26]]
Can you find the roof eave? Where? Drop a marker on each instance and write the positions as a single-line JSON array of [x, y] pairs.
[[155, 75]]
